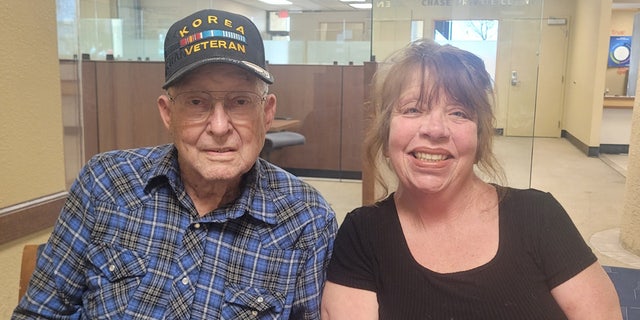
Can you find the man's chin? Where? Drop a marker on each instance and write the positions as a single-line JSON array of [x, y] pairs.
[[224, 172]]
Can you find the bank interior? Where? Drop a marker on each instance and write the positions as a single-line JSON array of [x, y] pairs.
[[563, 74]]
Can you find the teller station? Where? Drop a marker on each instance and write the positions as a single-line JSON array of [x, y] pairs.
[[319, 107]]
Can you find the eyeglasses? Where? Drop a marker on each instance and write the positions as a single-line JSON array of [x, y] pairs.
[[196, 105]]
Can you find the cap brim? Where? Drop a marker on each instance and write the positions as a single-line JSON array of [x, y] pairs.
[[256, 70]]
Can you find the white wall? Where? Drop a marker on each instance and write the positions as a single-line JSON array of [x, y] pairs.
[[616, 126]]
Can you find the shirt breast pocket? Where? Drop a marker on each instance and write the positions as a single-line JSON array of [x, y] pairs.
[[113, 274], [250, 303], [263, 286]]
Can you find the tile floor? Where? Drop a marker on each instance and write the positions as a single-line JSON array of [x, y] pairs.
[[617, 161]]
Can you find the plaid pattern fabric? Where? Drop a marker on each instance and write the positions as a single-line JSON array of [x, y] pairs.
[[129, 244]]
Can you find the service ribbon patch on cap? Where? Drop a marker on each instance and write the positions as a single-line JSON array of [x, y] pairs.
[[212, 34]]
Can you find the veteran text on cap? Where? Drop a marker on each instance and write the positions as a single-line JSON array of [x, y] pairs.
[[213, 36]]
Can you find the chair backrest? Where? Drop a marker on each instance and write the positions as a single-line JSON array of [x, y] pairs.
[[29, 257]]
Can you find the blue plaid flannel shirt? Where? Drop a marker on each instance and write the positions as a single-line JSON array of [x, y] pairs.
[[129, 244]]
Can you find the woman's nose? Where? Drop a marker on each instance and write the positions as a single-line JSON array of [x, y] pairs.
[[434, 125]]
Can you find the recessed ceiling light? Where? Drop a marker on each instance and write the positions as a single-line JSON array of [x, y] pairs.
[[277, 2], [361, 5]]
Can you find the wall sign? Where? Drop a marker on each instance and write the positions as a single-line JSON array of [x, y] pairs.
[[619, 51]]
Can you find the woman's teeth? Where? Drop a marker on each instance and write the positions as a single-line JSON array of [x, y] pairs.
[[429, 156]]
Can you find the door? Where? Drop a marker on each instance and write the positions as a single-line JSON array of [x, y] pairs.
[[530, 77], [517, 75], [551, 75]]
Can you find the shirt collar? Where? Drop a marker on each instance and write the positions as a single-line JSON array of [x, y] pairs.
[[165, 169], [256, 198]]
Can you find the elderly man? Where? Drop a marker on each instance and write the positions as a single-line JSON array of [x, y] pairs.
[[201, 228]]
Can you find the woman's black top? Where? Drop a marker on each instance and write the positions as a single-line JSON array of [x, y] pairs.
[[539, 248]]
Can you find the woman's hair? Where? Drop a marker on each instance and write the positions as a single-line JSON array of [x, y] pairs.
[[455, 73]]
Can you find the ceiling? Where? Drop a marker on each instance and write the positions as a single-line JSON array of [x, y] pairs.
[[301, 5], [626, 4], [336, 5]]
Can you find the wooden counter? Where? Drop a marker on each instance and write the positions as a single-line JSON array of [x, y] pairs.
[[284, 124], [618, 102]]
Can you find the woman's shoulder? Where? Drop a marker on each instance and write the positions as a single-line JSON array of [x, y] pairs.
[[374, 226], [529, 206], [517, 195], [379, 209], [373, 217]]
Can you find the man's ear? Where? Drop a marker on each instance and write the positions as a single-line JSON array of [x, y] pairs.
[[269, 110], [165, 110]]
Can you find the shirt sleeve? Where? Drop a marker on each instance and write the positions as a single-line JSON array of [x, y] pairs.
[[563, 251], [57, 284], [352, 263], [309, 285]]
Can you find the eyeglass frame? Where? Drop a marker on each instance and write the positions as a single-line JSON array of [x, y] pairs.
[[261, 99]]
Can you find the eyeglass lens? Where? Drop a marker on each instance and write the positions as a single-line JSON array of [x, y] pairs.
[[197, 105]]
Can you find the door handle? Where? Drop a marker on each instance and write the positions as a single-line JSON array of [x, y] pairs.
[[514, 78]]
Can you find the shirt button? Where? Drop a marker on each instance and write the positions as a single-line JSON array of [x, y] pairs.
[[197, 226], [112, 267], [260, 299], [254, 313], [185, 281]]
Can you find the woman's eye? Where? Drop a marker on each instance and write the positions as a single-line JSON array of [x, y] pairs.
[[410, 108], [459, 114]]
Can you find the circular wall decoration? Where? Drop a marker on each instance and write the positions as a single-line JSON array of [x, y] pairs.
[[621, 53]]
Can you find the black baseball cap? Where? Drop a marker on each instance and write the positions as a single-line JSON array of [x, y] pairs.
[[213, 36]]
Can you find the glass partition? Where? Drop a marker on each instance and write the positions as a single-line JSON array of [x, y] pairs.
[[68, 52], [507, 34], [131, 30]]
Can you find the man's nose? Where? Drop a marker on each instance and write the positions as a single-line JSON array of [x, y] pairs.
[[219, 121]]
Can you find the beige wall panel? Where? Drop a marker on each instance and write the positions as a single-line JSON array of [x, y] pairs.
[[31, 150], [629, 235], [588, 48]]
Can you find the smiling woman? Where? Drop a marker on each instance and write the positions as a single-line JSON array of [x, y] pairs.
[[430, 249]]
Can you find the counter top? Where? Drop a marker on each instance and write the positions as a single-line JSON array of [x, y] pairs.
[[618, 102], [289, 124]]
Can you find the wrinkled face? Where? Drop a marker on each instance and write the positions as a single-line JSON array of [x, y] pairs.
[[431, 148], [218, 116]]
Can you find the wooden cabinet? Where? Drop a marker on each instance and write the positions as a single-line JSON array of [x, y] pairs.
[[328, 100], [618, 102]]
